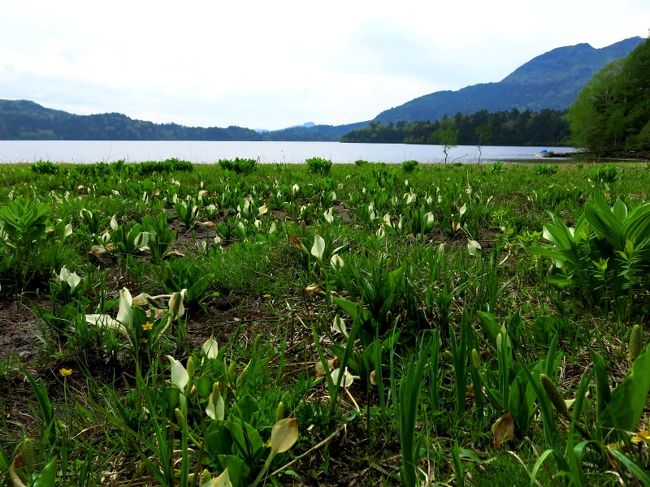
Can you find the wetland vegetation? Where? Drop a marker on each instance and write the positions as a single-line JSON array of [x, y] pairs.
[[236, 324]]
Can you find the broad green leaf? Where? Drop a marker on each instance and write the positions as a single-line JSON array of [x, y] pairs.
[[637, 224], [489, 322], [603, 392], [639, 472], [604, 222], [352, 308], [47, 477], [558, 233], [246, 437], [238, 470], [246, 408], [619, 210], [628, 400], [538, 464]]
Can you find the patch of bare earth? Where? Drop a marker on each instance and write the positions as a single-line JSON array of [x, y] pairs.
[[18, 330]]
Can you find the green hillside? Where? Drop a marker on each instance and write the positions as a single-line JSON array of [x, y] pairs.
[[551, 80]]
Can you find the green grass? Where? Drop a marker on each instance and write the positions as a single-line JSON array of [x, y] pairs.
[[395, 267]]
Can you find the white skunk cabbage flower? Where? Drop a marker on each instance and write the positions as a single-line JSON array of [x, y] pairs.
[[347, 378], [210, 348], [284, 435], [339, 326], [336, 261], [473, 247], [328, 215], [318, 248], [180, 376], [72, 279], [216, 408]]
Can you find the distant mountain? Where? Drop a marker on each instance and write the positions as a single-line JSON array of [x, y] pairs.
[[311, 132], [551, 80], [22, 119], [26, 120]]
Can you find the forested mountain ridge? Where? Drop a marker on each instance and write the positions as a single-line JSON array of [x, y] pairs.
[[26, 120], [22, 119], [551, 80]]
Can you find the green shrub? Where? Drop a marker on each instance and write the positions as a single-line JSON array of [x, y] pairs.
[[318, 165], [23, 225], [605, 174], [409, 166], [167, 165], [240, 166], [497, 167], [45, 167]]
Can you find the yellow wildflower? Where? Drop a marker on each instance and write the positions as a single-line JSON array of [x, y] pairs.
[[641, 436], [63, 372], [147, 326]]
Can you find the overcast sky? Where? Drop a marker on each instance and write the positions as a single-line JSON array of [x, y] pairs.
[[273, 64]]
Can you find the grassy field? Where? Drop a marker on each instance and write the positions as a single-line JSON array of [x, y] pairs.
[[370, 324]]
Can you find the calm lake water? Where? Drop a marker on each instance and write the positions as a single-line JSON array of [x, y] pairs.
[[12, 151]]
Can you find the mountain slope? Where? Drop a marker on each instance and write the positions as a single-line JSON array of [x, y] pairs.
[[321, 133], [26, 120], [22, 119], [551, 80]]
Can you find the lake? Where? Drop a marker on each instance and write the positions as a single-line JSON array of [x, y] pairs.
[[13, 151]]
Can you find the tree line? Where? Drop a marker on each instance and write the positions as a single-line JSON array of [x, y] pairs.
[[520, 128], [26, 120], [611, 115]]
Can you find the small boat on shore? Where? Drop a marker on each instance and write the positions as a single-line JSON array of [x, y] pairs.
[[545, 153]]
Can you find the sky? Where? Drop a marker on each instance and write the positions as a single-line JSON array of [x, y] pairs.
[[274, 64]]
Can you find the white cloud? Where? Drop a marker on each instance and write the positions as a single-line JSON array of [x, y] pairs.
[[273, 64]]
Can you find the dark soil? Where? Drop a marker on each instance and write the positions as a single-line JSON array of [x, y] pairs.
[[18, 331]]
